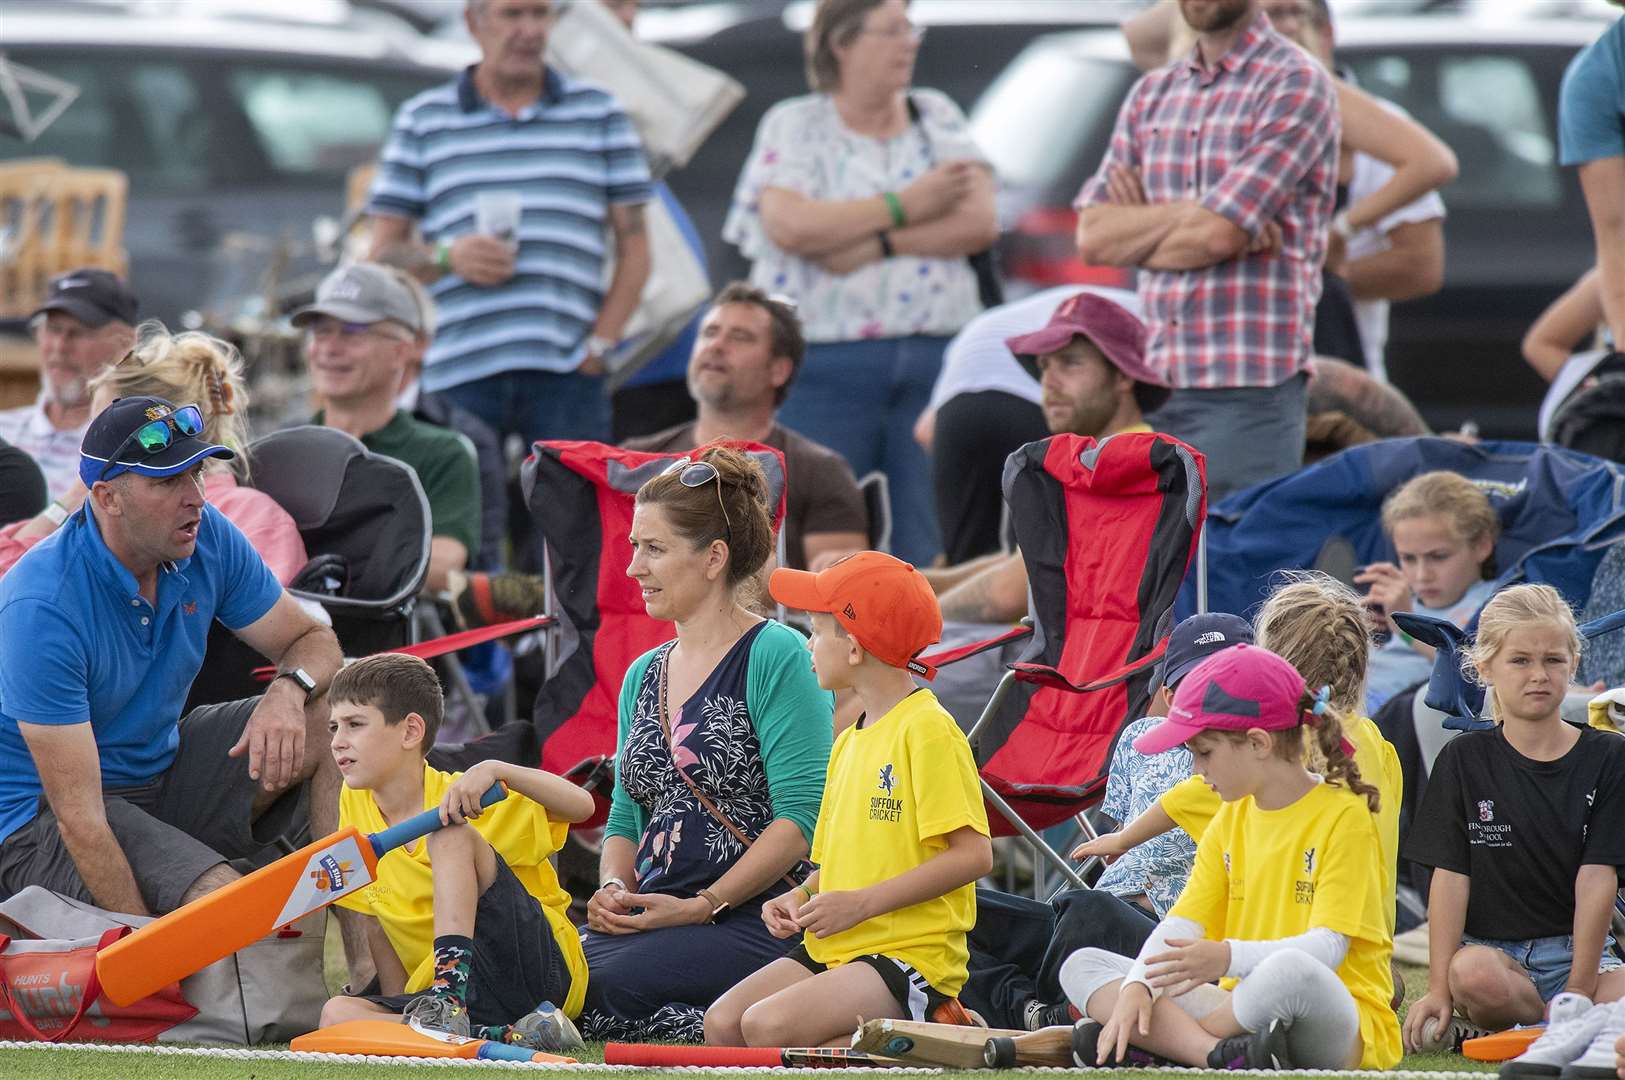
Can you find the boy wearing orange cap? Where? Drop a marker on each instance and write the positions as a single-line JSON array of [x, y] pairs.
[[902, 835]]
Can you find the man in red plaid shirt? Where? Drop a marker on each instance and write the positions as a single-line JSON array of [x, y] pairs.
[[1219, 185]]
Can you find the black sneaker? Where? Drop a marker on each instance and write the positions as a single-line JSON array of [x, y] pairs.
[[1086, 1048], [1038, 1015], [1253, 1050]]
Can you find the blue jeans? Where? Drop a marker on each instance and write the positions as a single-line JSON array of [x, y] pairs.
[[860, 399], [537, 404], [1546, 960]]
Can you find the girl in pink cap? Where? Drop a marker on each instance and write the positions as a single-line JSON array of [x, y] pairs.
[[1284, 906]]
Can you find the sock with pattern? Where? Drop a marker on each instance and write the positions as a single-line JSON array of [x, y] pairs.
[[453, 956]]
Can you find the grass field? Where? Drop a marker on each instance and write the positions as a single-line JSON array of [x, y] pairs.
[[99, 1065]]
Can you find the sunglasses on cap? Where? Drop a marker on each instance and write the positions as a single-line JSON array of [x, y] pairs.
[[157, 435], [695, 474]]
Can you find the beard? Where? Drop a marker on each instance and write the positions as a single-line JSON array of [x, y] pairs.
[[1213, 16], [70, 393], [1088, 417]]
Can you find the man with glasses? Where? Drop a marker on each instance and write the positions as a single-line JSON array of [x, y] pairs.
[[86, 323], [107, 794], [359, 344]]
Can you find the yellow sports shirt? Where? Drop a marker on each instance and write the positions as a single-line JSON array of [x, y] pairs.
[[402, 899], [1192, 804], [1264, 875], [896, 788]]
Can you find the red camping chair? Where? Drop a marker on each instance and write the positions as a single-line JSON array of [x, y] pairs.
[[1108, 532], [580, 495]]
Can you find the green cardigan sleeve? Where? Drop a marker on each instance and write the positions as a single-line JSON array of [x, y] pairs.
[[626, 817], [794, 720]]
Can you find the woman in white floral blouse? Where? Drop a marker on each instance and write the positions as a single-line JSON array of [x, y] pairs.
[[862, 201]]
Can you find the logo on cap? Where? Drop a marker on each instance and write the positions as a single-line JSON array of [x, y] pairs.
[[157, 412], [72, 283], [345, 288], [848, 612], [1208, 638]]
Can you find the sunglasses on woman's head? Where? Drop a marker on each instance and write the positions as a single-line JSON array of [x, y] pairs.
[[694, 474], [157, 435]]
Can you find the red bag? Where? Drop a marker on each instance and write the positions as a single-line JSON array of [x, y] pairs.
[[49, 993]]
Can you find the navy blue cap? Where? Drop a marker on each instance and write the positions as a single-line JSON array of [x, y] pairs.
[[94, 297], [1198, 638], [111, 429]]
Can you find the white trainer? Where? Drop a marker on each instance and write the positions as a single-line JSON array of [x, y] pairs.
[[1573, 1023], [1599, 1060]]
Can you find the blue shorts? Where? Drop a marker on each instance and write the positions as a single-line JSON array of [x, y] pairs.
[[1546, 960]]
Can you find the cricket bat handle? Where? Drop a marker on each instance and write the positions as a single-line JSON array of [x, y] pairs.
[[423, 824], [1050, 1046]]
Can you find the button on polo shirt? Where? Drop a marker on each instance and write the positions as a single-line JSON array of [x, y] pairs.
[[78, 643]]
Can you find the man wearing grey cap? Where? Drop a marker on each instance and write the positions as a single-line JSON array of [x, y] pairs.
[[358, 342], [86, 323]]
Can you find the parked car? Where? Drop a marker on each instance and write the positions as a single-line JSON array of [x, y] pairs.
[[1516, 233], [223, 124]]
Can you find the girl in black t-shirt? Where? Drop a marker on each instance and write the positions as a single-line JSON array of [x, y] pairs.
[[1524, 825]]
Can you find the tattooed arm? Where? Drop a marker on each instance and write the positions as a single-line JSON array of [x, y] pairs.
[[1379, 407], [996, 595], [626, 286]]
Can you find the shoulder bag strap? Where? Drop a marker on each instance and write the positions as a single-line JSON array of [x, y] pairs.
[[671, 748], [92, 990]]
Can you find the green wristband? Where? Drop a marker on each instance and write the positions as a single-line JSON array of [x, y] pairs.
[[895, 206], [806, 890], [442, 256]]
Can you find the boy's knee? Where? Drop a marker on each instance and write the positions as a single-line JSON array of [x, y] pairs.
[[764, 1025], [1087, 971], [722, 1024], [338, 1010], [1478, 976], [1293, 971]]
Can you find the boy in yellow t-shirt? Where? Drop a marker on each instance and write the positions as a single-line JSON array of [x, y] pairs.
[[468, 929], [1284, 904], [902, 835]]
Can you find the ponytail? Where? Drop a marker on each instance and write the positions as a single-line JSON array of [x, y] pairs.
[[1325, 729]]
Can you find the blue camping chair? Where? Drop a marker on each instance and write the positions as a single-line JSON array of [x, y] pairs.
[[1559, 511]]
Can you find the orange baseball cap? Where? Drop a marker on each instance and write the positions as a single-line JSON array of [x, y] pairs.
[[883, 602]]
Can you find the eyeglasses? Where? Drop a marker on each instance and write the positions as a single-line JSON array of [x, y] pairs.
[[914, 33], [694, 474], [159, 434], [326, 328]]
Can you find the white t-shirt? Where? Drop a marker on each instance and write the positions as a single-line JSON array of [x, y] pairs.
[[1372, 315], [977, 359], [55, 452]]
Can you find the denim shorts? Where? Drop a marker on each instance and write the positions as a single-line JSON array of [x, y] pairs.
[[1546, 960]]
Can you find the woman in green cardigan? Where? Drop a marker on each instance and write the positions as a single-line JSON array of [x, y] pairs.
[[724, 738]]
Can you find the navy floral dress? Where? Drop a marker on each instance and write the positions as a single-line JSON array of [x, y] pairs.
[[657, 984]]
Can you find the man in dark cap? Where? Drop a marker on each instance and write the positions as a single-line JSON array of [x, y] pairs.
[[86, 323], [107, 794]]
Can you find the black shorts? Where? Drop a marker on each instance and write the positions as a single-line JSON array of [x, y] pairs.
[[918, 998], [517, 962], [197, 814]]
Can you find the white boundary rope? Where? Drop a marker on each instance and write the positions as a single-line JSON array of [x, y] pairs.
[[245, 1054]]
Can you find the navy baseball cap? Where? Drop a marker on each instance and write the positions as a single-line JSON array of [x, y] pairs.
[[1198, 638], [118, 440], [94, 297]]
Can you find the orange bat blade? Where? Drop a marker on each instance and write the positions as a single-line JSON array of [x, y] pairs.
[[390, 1039], [1501, 1045], [214, 926]]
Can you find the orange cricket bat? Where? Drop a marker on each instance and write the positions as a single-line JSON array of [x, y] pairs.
[[1502, 1045], [390, 1039], [214, 926]]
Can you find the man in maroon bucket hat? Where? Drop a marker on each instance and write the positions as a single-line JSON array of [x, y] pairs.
[[1090, 360]]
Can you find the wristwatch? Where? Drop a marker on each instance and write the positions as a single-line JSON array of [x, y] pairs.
[[600, 346], [1342, 226], [719, 908], [300, 676], [55, 513]]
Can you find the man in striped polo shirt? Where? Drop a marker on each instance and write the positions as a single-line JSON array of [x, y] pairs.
[[525, 320]]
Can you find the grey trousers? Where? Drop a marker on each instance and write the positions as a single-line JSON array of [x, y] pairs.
[[1249, 434]]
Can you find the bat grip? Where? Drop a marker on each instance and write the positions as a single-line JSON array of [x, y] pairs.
[[423, 824]]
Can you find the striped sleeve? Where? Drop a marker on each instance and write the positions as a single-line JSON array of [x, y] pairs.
[[398, 188], [628, 171]]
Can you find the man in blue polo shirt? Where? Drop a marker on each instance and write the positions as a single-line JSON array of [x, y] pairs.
[[512, 146], [106, 794], [1591, 131]]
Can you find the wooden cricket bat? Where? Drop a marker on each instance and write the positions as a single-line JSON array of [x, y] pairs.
[[388, 1038], [214, 926], [1051, 1046], [919, 1043], [740, 1057]]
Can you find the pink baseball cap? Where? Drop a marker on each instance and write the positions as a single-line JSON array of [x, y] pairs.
[[1235, 689]]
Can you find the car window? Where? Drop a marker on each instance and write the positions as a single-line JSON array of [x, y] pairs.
[[319, 123], [1487, 106], [1031, 121], [145, 118]]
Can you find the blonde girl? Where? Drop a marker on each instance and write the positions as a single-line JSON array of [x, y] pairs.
[[1443, 530], [1285, 903], [189, 369], [1524, 825]]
